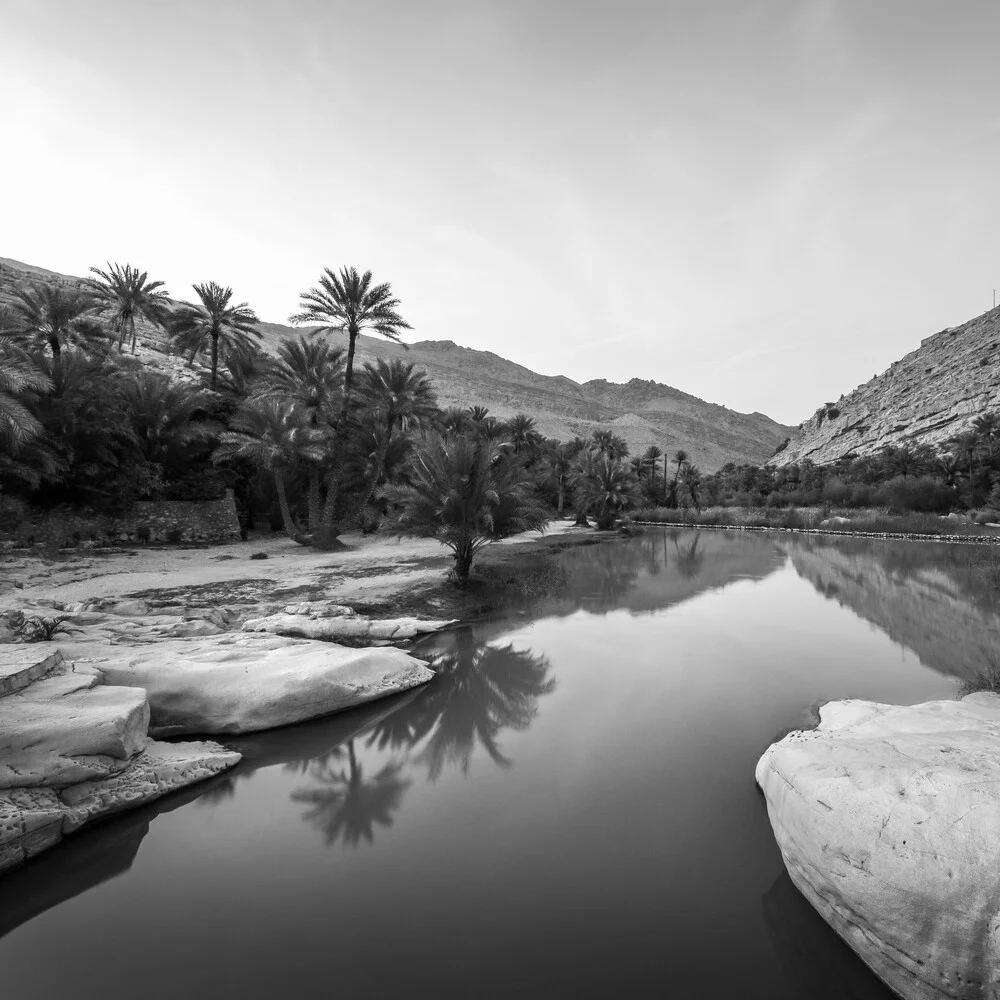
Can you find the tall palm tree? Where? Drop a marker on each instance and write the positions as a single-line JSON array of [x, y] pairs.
[[466, 492], [454, 420], [560, 464], [308, 374], [522, 433], [18, 376], [649, 459], [215, 322], [690, 477], [54, 316], [610, 444], [477, 414], [347, 302], [966, 445], [266, 432], [395, 395], [680, 457], [126, 294]]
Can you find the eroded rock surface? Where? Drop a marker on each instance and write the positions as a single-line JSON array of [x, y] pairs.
[[336, 623], [33, 819], [66, 726], [237, 683], [888, 820]]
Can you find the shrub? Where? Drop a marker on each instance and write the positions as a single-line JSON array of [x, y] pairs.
[[174, 535], [258, 555], [142, 532], [987, 678], [915, 493]]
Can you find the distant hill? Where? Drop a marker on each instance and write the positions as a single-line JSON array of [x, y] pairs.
[[643, 412], [926, 397]]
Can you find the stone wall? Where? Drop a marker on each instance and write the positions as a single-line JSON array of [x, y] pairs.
[[195, 520], [158, 521]]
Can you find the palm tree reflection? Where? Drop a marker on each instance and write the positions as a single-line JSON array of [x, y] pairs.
[[479, 691], [689, 559], [345, 804]]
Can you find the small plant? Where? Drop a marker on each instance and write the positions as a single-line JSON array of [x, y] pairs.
[[174, 535], [258, 555], [142, 532], [36, 628]]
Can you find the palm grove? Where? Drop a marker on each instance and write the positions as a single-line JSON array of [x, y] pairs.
[[306, 437]]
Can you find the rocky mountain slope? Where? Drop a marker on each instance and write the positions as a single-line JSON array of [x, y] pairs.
[[931, 394], [642, 412]]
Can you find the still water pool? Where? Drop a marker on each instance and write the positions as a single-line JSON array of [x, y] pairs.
[[568, 809]]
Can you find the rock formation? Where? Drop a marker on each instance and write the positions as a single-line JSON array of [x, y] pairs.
[[933, 393], [72, 750], [888, 820], [338, 623], [239, 682], [643, 412]]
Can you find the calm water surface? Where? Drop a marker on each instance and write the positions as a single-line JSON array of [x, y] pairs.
[[567, 809]]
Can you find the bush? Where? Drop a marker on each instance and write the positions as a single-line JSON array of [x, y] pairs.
[[987, 678], [923, 494], [174, 535]]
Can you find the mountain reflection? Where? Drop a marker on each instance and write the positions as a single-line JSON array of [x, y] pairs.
[[479, 692], [345, 804], [923, 596]]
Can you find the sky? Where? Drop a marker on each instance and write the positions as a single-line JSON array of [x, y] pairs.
[[761, 203]]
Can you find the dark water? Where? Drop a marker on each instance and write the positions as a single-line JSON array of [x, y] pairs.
[[568, 809]]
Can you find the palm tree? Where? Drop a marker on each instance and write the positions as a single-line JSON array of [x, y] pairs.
[[610, 444], [454, 420], [649, 459], [52, 315], [126, 293], [396, 396], [308, 374], [166, 418], [690, 478], [214, 322], [560, 464], [467, 493], [604, 485], [18, 376], [966, 445], [350, 303], [266, 433], [521, 431], [477, 414], [680, 457]]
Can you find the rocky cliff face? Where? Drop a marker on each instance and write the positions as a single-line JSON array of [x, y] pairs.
[[934, 392], [642, 412]]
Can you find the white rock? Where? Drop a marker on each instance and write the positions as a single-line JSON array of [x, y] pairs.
[[318, 609], [32, 819], [339, 628], [237, 683], [68, 727], [888, 820]]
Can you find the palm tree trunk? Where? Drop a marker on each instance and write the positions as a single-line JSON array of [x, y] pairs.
[[56, 346], [131, 326], [215, 358], [286, 514], [314, 498], [327, 533], [463, 563], [562, 496]]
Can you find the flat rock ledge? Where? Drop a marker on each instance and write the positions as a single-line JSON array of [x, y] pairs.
[[338, 623], [888, 820], [34, 819], [241, 683]]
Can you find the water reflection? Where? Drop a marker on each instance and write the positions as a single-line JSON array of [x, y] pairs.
[[479, 691], [345, 804], [923, 596]]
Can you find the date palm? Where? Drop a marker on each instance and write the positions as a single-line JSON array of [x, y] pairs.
[[347, 302], [605, 486], [395, 395], [19, 375], [649, 459], [308, 374], [522, 433], [690, 478], [266, 432], [966, 446], [467, 492], [680, 457], [560, 466], [126, 294], [53, 316], [215, 322]]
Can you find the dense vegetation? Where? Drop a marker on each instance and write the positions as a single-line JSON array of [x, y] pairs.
[[313, 442]]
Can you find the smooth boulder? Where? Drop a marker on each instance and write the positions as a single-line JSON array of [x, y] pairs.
[[888, 820], [66, 726], [238, 683], [33, 819]]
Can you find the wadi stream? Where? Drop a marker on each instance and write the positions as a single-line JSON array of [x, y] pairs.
[[568, 809]]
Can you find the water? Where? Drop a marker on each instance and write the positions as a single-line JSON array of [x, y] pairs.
[[567, 810]]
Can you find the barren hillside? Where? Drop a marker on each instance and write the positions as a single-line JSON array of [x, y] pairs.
[[643, 412], [926, 397]]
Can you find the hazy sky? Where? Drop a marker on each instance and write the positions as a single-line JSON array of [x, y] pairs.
[[763, 203]]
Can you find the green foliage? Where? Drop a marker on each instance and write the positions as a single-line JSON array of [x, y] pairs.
[[467, 492], [36, 628]]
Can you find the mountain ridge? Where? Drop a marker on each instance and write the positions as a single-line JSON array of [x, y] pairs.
[[642, 411]]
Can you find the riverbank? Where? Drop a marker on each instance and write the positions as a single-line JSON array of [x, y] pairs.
[[378, 576]]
